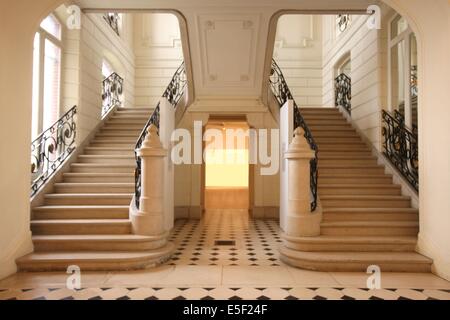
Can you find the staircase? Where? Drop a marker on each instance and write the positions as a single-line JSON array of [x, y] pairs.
[[85, 222], [366, 219]]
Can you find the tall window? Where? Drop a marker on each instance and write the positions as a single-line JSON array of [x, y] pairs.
[[46, 75], [403, 84]]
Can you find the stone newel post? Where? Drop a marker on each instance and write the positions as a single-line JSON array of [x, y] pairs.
[[149, 220], [301, 222]]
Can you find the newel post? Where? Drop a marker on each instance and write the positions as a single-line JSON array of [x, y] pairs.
[[149, 220], [301, 222]]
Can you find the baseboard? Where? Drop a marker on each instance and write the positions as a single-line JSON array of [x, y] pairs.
[[265, 212], [407, 189], [441, 265], [188, 212], [22, 245]]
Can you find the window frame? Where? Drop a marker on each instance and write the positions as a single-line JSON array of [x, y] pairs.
[[392, 43], [43, 36]]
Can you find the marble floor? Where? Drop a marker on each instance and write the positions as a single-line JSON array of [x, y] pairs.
[[202, 269]]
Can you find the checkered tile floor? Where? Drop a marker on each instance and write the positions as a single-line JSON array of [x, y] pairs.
[[223, 293], [256, 241]]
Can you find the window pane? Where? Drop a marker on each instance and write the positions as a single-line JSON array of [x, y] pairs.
[[52, 26], [51, 83], [107, 70], [414, 86], [398, 26], [35, 103], [398, 58]]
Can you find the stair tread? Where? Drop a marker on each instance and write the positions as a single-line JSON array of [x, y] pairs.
[[82, 221], [352, 257], [91, 174], [358, 186], [92, 237], [91, 195], [79, 207], [84, 256], [95, 184], [108, 165], [370, 210], [363, 224], [358, 239], [363, 197]]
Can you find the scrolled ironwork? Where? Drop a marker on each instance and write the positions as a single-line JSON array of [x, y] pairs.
[[282, 93], [343, 92], [343, 21], [175, 89], [113, 20], [401, 146], [173, 94], [51, 149], [112, 92]]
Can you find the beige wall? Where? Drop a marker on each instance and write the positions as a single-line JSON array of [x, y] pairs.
[[157, 45], [298, 52], [367, 49], [98, 42]]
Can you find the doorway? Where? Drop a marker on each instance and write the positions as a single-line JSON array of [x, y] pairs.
[[226, 170]]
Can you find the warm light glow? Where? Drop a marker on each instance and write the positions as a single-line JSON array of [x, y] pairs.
[[227, 168]]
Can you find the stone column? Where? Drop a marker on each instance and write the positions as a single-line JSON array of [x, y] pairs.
[[301, 222], [149, 219]]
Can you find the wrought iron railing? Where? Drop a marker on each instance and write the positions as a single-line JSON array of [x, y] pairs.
[[51, 149], [343, 92], [401, 146], [173, 94], [113, 20], [343, 21], [282, 93], [112, 92]]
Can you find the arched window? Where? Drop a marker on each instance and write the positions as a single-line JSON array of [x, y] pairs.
[[46, 75], [403, 84]]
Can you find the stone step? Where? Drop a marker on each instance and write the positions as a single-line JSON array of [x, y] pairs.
[[365, 243], [348, 261], [370, 228], [118, 136], [102, 168], [109, 151], [108, 159], [112, 126], [370, 214], [96, 242], [364, 201], [81, 226], [98, 177], [63, 212], [345, 127], [337, 140], [359, 189], [338, 161], [335, 134], [346, 169], [96, 260], [94, 187], [333, 178], [88, 199]]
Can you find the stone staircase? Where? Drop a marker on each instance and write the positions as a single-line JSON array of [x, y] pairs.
[[85, 221], [366, 219]]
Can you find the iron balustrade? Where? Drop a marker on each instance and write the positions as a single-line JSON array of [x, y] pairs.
[[51, 149], [343, 21], [282, 93], [401, 146], [175, 89], [343, 92], [113, 20], [112, 92], [173, 94]]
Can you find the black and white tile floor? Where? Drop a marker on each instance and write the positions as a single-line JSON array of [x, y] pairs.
[[203, 270], [256, 241], [223, 293]]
